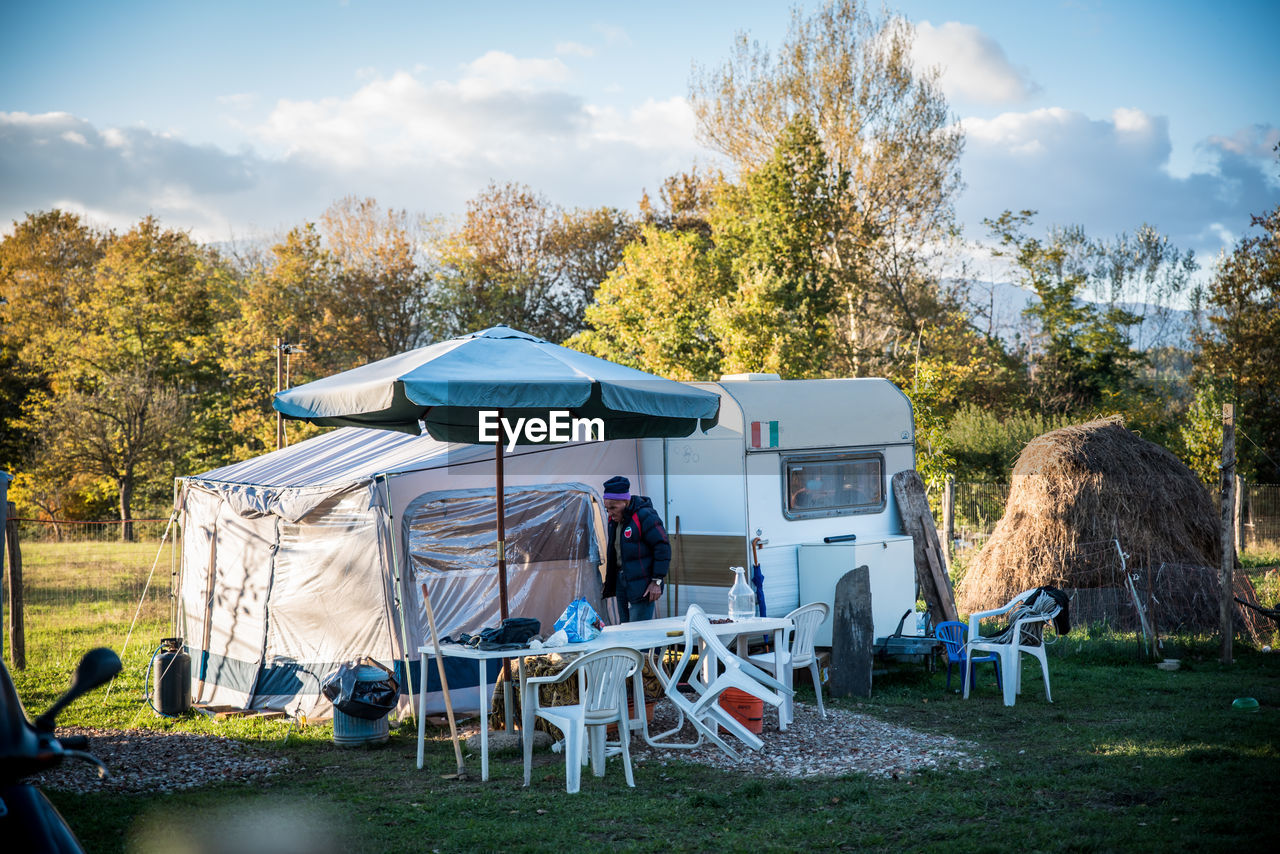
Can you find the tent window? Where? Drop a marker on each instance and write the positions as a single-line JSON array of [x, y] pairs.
[[818, 485]]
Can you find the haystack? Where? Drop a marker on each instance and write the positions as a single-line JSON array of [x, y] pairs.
[[1076, 493]]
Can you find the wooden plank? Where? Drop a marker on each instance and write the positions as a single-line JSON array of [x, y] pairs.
[[931, 571], [220, 713], [704, 559], [17, 625], [852, 636]]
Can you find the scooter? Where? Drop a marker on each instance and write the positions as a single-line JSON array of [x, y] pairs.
[[28, 821]]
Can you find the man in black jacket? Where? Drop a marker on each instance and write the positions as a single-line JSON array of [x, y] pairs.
[[639, 554]]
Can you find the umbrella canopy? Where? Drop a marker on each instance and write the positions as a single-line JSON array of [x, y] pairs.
[[447, 385]]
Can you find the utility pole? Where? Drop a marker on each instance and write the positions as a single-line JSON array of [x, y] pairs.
[[283, 351], [1228, 485]]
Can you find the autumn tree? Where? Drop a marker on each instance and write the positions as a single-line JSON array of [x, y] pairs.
[[121, 327], [1239, 350], [353, 288], [882, 124], [518, 260]]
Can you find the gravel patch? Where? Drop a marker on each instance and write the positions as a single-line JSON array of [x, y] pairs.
[[143, 760], [842, 743]]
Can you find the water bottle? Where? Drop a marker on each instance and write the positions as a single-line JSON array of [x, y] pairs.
[[742, 599]]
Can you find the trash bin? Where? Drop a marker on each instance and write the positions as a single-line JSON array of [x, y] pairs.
[[363, 694]]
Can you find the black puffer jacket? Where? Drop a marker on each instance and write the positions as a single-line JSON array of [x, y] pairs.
[[646, 554]]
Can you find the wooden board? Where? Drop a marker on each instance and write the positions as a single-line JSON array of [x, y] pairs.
[[852, 636], [219, 713], [931, 565]]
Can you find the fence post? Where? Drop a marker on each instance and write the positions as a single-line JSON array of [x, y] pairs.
[[949, 518], [17, 633], [1228, 484]]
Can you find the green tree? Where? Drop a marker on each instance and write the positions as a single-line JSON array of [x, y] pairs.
[[883, 125], [653, 311], [774, 230], [1080, 356], [1239, 350]]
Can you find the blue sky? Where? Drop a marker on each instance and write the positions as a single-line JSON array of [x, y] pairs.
[[240, 119]]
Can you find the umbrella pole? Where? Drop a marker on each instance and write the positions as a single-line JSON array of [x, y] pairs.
[[502, 524]]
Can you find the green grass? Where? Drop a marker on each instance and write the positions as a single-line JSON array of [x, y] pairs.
[[1127, 758]]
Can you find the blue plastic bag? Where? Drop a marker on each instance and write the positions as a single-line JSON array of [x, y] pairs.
[[580, 622]]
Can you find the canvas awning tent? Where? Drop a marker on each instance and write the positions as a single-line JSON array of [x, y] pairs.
[[299, 560]]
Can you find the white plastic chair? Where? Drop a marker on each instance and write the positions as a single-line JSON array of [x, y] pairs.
[[1024, 636], [799, 652], [718, 670], [602, 700]]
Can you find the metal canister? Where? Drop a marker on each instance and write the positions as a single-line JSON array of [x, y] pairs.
[[171, 674]]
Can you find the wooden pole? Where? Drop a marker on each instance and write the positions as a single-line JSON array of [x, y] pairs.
[[948, 519], [17, 630], [1225, 601]]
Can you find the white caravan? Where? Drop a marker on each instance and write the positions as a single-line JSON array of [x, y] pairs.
[[802, 469]]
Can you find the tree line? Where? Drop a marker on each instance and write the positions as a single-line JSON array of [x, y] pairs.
[[826, 245]]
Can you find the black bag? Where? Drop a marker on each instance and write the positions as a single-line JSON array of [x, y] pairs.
[[514, 630], [361, 697]]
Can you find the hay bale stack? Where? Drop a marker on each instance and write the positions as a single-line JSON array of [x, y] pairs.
[[1074, 491]]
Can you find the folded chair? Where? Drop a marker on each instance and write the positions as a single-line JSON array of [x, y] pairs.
[[952, 634], [799, 653], [1028, 612], [717, 670], [602, 700]]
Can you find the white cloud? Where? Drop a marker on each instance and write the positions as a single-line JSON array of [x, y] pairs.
[[1109, 175], [496, 71], [973, 64], [574, 49], [423, 144]]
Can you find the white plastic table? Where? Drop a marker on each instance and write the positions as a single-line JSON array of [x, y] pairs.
[[642, 636]]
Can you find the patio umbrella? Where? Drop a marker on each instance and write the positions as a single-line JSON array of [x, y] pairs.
[[463, 388]]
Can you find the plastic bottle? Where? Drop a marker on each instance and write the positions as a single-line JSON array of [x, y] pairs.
[[742, 599]]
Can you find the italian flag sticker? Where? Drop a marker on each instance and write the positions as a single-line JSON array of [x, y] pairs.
[[764, 434]]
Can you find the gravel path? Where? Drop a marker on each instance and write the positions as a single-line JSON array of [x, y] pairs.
[[842, 743], [142, 760]]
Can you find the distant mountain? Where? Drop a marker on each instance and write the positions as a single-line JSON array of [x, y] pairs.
[[997, 309]]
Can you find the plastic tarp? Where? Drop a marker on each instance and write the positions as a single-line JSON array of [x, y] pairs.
[[553, 556]]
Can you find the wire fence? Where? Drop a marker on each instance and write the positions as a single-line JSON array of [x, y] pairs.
[[979, 506], [83, 587]]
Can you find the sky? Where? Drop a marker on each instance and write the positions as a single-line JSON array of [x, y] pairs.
[[238, 120]]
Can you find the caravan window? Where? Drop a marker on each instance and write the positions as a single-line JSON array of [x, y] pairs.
[[832, 484]]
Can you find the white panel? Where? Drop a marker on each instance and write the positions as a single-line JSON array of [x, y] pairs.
[[705, 486], [891, 569]]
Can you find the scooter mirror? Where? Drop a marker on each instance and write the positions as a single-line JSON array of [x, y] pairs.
[[96, 668]]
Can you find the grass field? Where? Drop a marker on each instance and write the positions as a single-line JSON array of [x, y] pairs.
[[1127, 758]]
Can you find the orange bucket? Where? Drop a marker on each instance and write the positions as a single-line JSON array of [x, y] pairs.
[[747, 709]]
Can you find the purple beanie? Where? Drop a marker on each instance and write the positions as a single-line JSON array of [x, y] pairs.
[[617, 488]]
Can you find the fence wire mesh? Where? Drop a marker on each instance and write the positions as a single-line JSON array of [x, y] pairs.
[[82, 587]]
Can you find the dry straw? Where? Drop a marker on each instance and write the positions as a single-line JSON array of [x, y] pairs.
[[1075, 491]]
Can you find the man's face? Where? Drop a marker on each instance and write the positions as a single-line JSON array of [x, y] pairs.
[[614, 507]]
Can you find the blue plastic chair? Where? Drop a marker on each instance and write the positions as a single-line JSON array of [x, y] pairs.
[[952, 634]]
